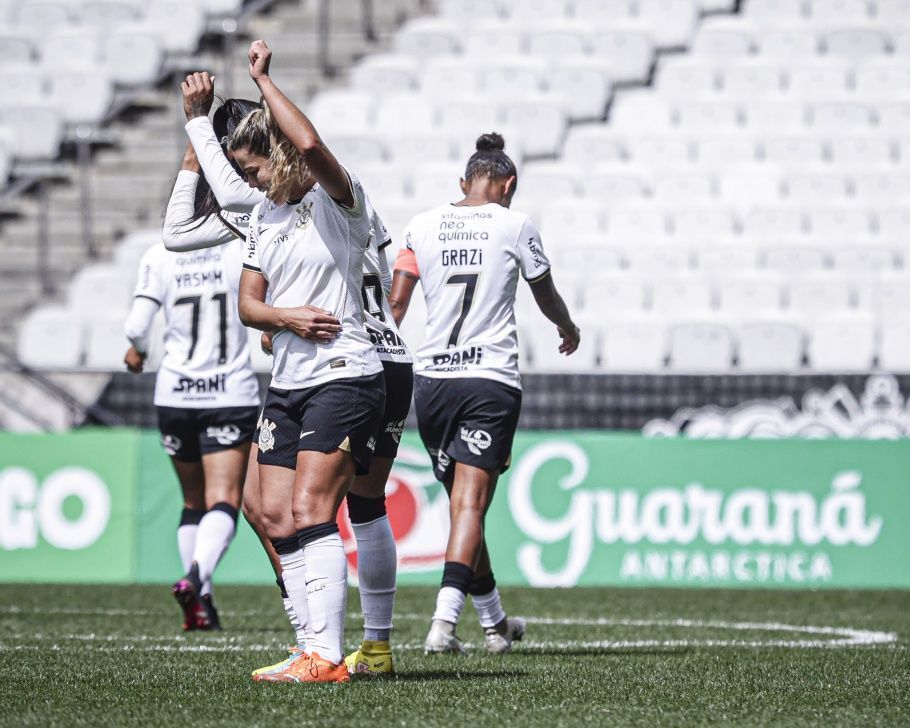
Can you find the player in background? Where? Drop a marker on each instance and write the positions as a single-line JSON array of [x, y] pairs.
[[468, 256], [206, 392], [305, 251], [377, 558]]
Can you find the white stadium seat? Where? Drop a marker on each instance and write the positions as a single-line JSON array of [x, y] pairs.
[[540, 120], [842, 344], [798, 151], [426, 37], [860, 151], [81, 96], [493, 38], [677, 188], [866, 258], [527, 10], [724, 257], [838, 11], [554, 41], [681, 296], [879, 80], [769, 346], [894, 351], [777, 11], [404, 112], [56, 324], [672, 22], [841, 117], [749, 295], [883, 188], [611, 294], [178, 25], [817, 188], [132, 57], [357, 149], [818, 295], [583, 86], [467, 12], [697, 225], [892, 12], [342, 111], [385, 74], [721, 151], [723, 39], [637, 224], [786, 42], [701, 347], [630, 52], [684, 77], [856, 43], [657, 259], [99, 287], [105, 342], [72, 48], [509, 77], [832, 224], [611, 184], [773, 223], [822, 80], [38, 131], [658, 151], [633, 345], [443, 73], [750, 80], [787, 258]]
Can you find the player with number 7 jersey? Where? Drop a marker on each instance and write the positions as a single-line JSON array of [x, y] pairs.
[[468, 256]]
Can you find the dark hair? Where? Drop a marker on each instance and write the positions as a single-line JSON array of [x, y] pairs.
[[226, 118], [490, 160]]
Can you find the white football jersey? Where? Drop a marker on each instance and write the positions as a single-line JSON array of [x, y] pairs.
[[468, 260], [311, 252], [206, 361], [377, 315]]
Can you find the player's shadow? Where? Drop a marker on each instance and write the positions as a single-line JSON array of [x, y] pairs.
[[443, 675]]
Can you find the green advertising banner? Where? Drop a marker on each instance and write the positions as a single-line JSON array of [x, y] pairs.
[[575, 508], [67, 506]]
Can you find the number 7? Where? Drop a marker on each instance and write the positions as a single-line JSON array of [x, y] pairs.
[[469, 281]]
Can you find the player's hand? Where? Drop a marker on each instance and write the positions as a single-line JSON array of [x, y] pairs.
[[310, 322], [134, 360], [198, 94], [260, 59], [265, 341], [570, 340]]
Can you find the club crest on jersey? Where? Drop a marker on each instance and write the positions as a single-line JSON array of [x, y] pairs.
[[304, 215], [266, 436], [171, 444], [227, 435], [476, 440]]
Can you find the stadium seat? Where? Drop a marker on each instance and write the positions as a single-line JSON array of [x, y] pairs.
[[775, 117], [106, 14], [840, 118], [787, 258], [721, 258], [99, 287], [722, 151], [716, 117], [816, 188], [41, 16], [38, 131], [723, 38], [467, 115], [441, 74], [894, 224], [611, 184], [358, 149], [748, 295], [81, 97], [856, 43], [773, 223], [842, 344], [105, 342], [385, 74], [856, 259], [518, 76], [879, 80], [630, 53], [660, 152], [403, 112], [696, 225], [681, 296], [409, 150], [572, 220], [634, 345], [540, 120], [550, 179], [468, 12], [342, 111], [782, 43], [687, 187], [672, 22], [894, 351], [427, 37], [554, 40], [769, 346], [657, 259], [618, 294], [860, 151], [72, 49], [132, 58], [882, 188], [702, 347], [894, 117], [601, 11], [812, 296], [583, 86], [437, 182], [528, 10], [746, 187], [838, 11], [640, 223], [797, 151], [749, 80], [890, 13], [684, 77], [829, 224], [491, 38], [823, 81], [776, 11], [640, 111], [57, 324], [178, 25]]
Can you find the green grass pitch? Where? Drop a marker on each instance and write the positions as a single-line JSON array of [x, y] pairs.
[[115, 656]]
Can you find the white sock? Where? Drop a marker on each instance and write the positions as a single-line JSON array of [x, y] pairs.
[[216, 531], [186, 544], [299, 629], [327, 581], [293, 572], [489, 609], [206, 589], [449, 603], [377, 565]]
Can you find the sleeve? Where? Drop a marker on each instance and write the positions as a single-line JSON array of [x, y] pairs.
[[361, 206], [138, 324], [179, 234], [532, 259], [232, 193], [383, 236], [148, 297], [251, 256], [385, 275]]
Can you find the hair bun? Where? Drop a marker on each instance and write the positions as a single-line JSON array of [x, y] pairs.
[[491, 142]]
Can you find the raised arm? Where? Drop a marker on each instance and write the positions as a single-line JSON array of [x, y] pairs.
[[299, 130], [229, 188], [180, 232]]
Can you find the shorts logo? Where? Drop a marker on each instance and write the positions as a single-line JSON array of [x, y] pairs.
[[266, 438], [171, 444], [371, 444], [395, 428], [476, 440], [442, 460], [227, 435], [308, 432]]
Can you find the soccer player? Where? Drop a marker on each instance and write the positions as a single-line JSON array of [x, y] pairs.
[[206, 393], [377, 558], [468, 256], [305, 251]]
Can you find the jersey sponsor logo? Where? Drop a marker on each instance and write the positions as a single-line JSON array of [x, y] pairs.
[[226, 435], [203, 257], [476, 440], [218, 383], [171, 444], [462, 256], [386, 341], [535, 252], [266, 435], [338, 364], [395, 428], [199, 278], [456, 360]]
